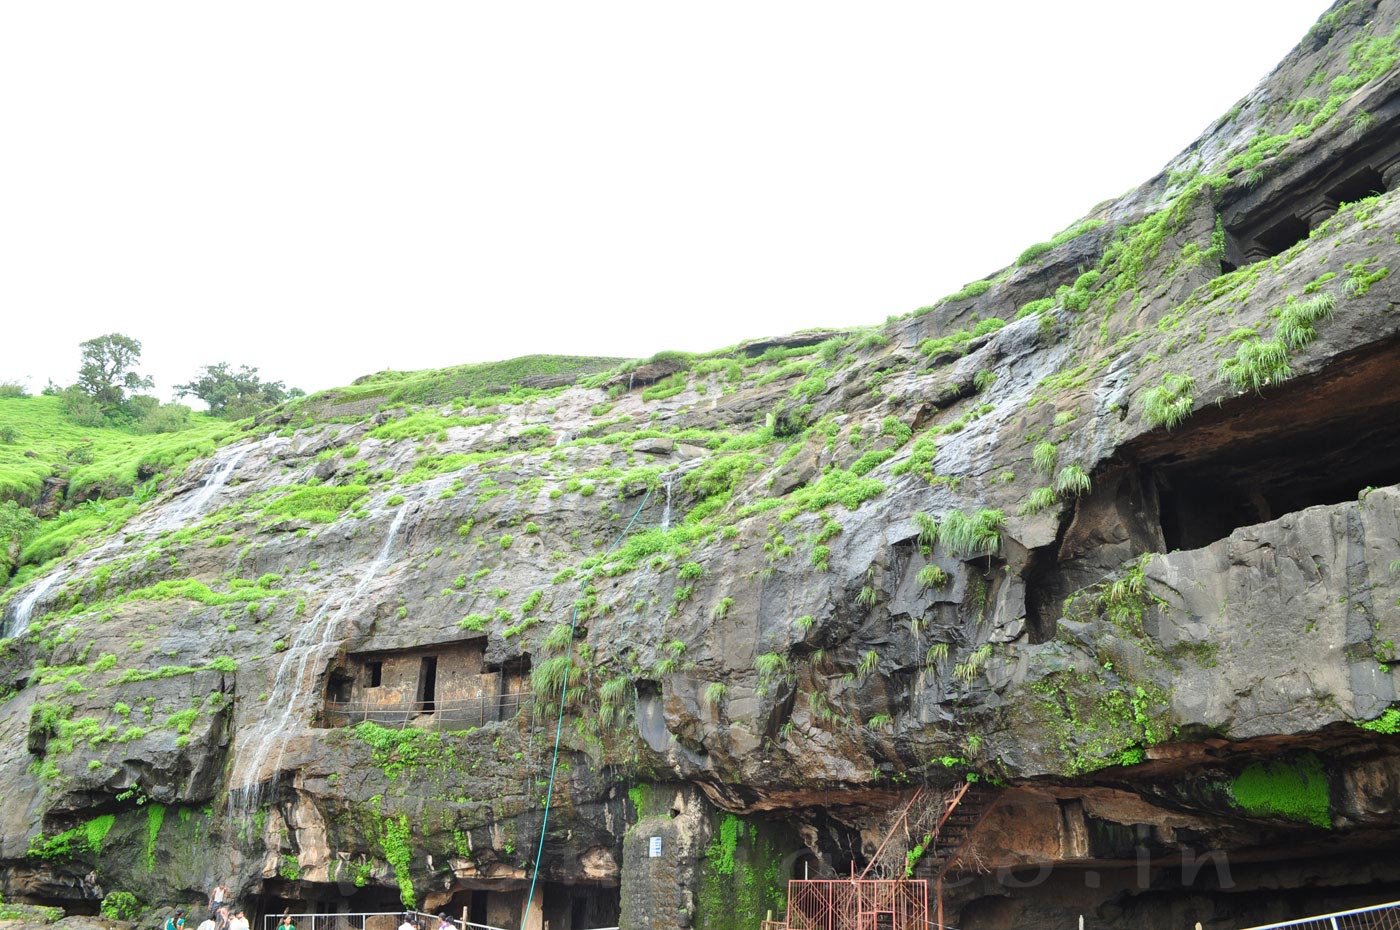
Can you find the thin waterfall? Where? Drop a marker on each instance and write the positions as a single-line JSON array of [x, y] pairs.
[[213, 483], [196, 504], [666, 514], [300, 664], [24, 609]]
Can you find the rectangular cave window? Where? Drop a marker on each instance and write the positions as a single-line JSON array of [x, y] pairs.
[[427, 685], [339, 687], [374, 674]]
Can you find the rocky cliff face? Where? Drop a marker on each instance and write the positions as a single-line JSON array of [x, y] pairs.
[[1111, 534]]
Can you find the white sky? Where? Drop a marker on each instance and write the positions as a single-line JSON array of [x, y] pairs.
[[324, 189]]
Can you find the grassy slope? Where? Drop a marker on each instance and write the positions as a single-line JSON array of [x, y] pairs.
[[111, 463], [443, 384], [46, 438]]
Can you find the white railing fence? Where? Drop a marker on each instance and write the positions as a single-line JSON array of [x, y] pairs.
[[377, 920], [369, 920], [1380, 917]]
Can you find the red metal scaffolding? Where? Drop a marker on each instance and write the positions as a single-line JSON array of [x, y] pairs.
[[857, 904]]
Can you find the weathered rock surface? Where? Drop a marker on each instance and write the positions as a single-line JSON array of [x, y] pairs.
[[1121, 547]]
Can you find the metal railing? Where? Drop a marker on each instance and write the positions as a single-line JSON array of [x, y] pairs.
[[1379, 917], [374, 920], [438, 715], [838, 904], [369, 920]]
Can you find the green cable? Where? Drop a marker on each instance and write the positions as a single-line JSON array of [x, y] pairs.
[[559, 726]]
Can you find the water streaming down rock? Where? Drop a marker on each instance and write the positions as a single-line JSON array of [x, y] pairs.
[[666, 514], [212, 484], [214, 481], [18, 622], [300, 664]]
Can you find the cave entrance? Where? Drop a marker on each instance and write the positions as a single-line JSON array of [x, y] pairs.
[[1318, 440], [1264, 220], [476, 907], [1365, 183], [339, 686], [427, 685], [557, 906], [1283, 235], [590, 907]]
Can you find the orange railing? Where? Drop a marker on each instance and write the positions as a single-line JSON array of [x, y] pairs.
[[857, 904]]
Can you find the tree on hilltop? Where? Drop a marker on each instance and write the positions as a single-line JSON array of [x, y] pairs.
[[235, 393], [108, 370]]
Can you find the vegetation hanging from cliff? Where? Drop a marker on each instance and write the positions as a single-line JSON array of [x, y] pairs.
[[1294, 790]]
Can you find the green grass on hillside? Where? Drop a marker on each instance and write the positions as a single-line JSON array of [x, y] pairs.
[[105, 461], [438, 386]]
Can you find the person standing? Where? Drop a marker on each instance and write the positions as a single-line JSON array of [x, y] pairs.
[[217, 898], [176, 921], [239, 921]]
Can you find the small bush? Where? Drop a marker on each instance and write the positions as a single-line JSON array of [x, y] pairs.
[[1297, 318], [121, 905], [770, 664], [1035, 306], [963, 535], [871, 460], [1169, 402], [932, 576], [1033, 252], [896, 429], [1257, 364], [1072, 481], [1043, 458], [1038, 500], [975, 289], [990, 325]]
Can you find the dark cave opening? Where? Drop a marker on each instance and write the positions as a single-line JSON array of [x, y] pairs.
[[1316, 440], [1282, 235], [476, 907], [1365, 183], [427, 685], [1267, 219], [1226, 888]]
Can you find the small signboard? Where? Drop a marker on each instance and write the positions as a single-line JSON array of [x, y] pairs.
[[654, 849]]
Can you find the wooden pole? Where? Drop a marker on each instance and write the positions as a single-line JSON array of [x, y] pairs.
[[939, 886]]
